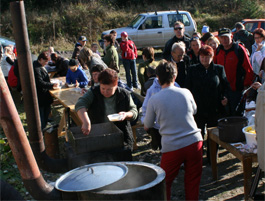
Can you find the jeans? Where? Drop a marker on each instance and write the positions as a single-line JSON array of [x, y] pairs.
[[204, 122], [44, 114], [130, 66]]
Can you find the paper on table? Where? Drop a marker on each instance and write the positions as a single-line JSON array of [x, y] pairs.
[[57, 87], [71, 85], [78, 90]]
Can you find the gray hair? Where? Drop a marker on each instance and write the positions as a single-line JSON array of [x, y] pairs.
[[180, 45]]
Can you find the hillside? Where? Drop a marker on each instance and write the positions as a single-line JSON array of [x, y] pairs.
[[58, 23]]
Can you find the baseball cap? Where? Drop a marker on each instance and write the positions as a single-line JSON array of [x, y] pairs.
[[73, 62], [224, 32], [82, 38], [124, 34]]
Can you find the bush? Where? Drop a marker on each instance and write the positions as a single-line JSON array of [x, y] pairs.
[[67, 20], [251, 9]]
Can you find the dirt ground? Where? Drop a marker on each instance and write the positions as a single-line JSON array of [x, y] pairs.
[[230, 172]]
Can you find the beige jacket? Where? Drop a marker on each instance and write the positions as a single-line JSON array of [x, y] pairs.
[[260, 125]]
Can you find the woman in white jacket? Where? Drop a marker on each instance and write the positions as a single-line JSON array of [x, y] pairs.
[[7, 61], [260, 122], [258, 52]]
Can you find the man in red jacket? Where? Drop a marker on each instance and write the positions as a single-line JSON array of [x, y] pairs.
[[238, 69], [129, 55]]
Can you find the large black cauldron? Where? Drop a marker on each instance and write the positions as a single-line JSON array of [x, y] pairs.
[[142, 181]]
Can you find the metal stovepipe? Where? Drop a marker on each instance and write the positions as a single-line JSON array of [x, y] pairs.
[[19, 144], [29, 91]]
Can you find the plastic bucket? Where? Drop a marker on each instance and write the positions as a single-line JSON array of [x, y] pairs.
[[230, 129], [250, 137]]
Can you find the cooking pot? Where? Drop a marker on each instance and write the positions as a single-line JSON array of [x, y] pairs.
[[230, 129], [113, 181]]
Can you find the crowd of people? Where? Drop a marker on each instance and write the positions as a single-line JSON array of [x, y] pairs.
[[198, 81]]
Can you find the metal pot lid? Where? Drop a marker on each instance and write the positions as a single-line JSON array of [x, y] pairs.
[[91, 177]]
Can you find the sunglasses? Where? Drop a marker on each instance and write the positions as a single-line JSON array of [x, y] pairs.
[[194, 38], [178, 28]]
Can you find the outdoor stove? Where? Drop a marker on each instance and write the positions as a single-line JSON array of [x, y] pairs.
[[103, 144]]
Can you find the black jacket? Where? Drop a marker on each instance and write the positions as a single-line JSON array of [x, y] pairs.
[[170, 42], [97, 112], [193, 58], [246, 38], [61, 67], [43, 84], [208, 88], [77, 50], [183, 67]]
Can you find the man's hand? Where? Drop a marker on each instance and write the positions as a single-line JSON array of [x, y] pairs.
[[55, 85], [76, 84], [256, 85], [146, 129], [83, 91], [224, 101]]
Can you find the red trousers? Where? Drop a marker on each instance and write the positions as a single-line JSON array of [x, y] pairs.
[[191, 156]]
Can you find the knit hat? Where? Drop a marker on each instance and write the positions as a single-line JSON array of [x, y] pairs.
[[205, 29]]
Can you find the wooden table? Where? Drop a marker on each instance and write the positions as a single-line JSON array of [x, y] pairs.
[[51, 74], [51, 70], [68, 98], [246, 158]]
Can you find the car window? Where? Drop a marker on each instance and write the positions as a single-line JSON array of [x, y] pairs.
[[172, 18], [251, 26], [136, 21], [153, 22]]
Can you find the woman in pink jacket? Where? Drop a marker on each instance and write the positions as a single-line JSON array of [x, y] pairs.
[[129, 55]]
